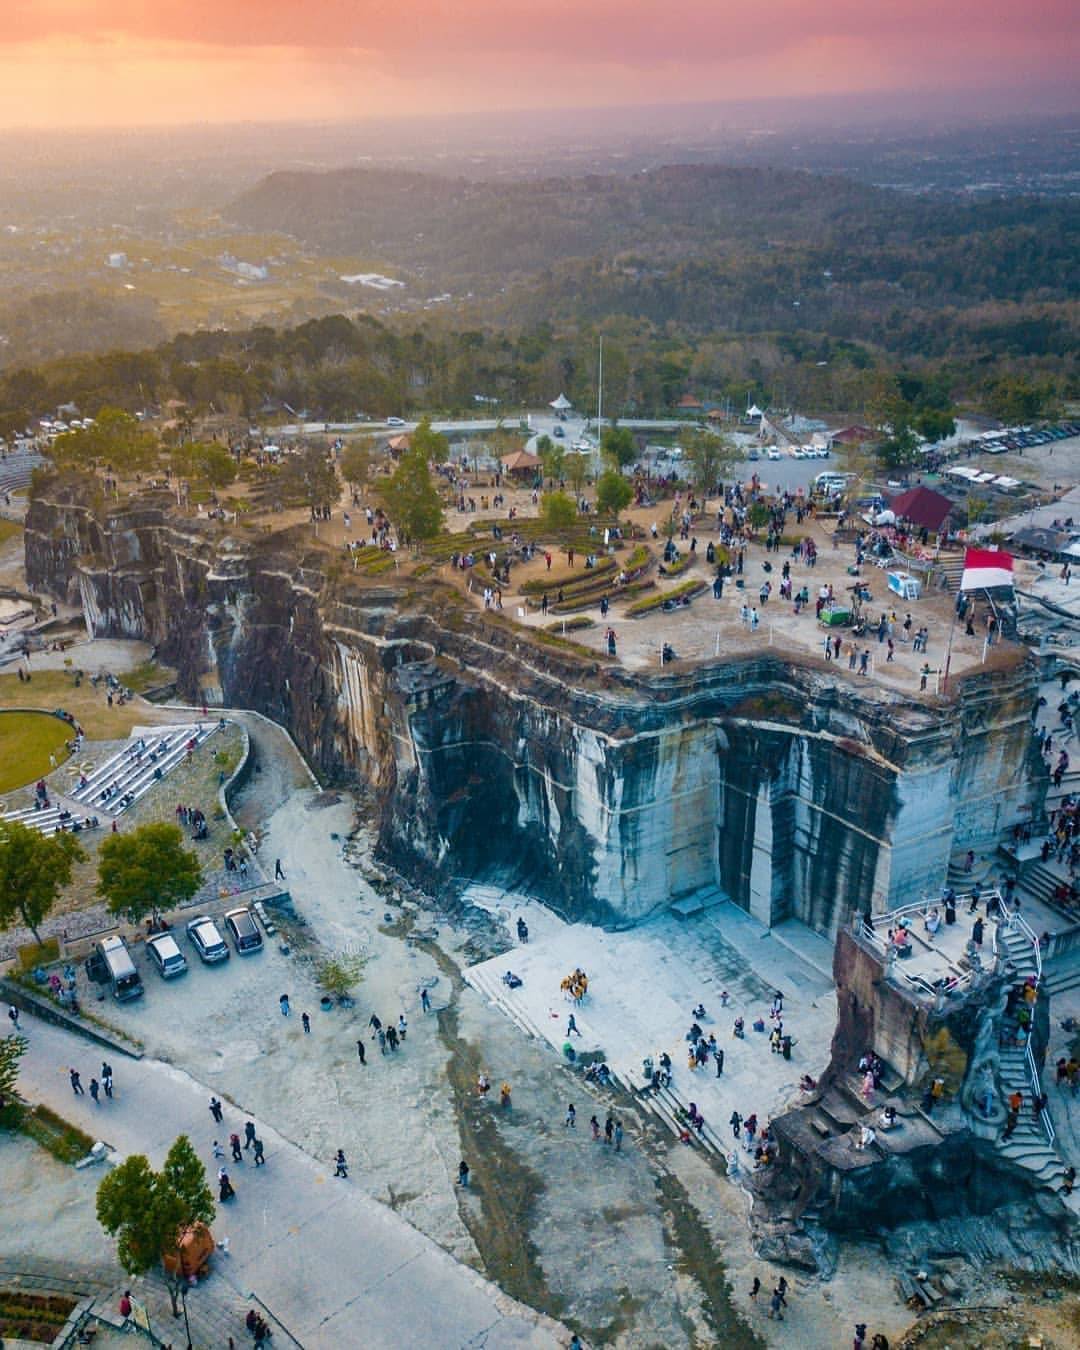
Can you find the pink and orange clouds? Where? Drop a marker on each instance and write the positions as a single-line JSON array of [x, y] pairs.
[[97, 62]]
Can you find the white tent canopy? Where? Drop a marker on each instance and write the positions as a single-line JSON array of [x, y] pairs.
[[560, 404], [754, 411]]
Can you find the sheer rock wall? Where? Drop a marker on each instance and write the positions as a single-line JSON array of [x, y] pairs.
[[607, 794]]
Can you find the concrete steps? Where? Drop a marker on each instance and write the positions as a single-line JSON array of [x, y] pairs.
[[665, 1104], [1062, 974]]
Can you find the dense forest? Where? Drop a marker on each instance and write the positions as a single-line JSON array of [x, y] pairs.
[[338, 368], [710, 250], [730, 284]]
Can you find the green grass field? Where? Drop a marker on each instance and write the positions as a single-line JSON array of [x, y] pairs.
[[8, 530], [26, 741]]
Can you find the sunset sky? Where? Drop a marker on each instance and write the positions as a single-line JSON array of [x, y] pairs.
[[137, 62]]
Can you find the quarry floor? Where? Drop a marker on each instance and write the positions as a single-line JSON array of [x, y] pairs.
[[668, 1256]]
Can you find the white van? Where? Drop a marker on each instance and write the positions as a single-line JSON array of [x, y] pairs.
[[830, 481], [124, 979]]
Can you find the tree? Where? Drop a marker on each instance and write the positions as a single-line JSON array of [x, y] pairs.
[[207, 461], [577, 470], [618, 446], [552, 456], [433, 445], [557, 510], [309, 477], [149, 1212], [613, 492], [33, 868], [115, 438], [147, 869], [356, 465], [414, 503], [12, 1049], [710, 458]]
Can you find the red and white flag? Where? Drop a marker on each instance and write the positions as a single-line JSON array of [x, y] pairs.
[[985, 568]]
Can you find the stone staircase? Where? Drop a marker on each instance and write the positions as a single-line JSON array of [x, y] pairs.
[[1028, 1146], [951, 570], [665, 1104], [1062, 974], [1015, 948]]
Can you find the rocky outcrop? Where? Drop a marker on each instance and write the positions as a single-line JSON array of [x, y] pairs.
[[492, 756]]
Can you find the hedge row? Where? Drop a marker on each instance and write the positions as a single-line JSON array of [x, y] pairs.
[[653, 602]]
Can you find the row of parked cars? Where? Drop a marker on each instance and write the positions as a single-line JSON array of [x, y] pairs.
[[111, 961], [1021, 439]]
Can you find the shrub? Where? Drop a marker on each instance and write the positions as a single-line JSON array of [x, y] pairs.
[[653, 602], [31, 956]]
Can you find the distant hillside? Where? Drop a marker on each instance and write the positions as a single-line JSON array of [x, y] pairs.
[[737, 249]]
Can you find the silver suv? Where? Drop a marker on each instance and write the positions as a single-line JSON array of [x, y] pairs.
[[166, 955], [207, 940]]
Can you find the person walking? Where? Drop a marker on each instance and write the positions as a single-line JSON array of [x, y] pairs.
[[402, 1028], [425, 1001], [609, 1130], [618, 1137], [718, 1055], [260, 1160], [571, 1117], [106, 1077], [305, 1021], [76, 1083], [755, 1289], [219, 1152], [95, 1089], [594, 1125], [572, 1026], [249, 1133], [283, 1004], [125, 1310], [341, 1167], [463, 1173], [392, 1039], [215, 1109], [775, 1304], [360, 1052], [375, 1025], [13, 1013], [736, 1125], [237, 1151], [279, 875]]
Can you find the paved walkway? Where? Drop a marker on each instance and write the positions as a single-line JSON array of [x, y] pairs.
[[326, 1258]]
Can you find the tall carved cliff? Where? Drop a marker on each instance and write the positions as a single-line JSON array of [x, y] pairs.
[[489, 755]]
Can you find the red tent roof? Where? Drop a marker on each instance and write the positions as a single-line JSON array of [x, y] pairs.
[[923, 507]]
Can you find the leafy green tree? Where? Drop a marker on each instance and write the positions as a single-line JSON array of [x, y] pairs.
[[356, 465], [309, 477], [33, 868], [146, 870], [433, 445], [618, 447], [577, 470], [412, 499], [148, 1212], [710, 457], [12, 1049], [935, 424], [552, 456], [115, 438], [208, 462], [557, 510], [613, 493]]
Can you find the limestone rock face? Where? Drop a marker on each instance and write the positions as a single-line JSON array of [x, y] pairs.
[[607, 794]]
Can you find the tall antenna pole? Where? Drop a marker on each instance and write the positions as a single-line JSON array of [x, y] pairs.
[[600, 395]]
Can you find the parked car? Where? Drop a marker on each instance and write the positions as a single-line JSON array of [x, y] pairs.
[[772, 453], [166, 955], [243, 931], [111, 963], [207, 940]]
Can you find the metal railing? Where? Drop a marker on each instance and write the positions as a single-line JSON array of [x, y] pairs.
[[1036, 1092], [956, 982]]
